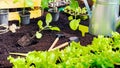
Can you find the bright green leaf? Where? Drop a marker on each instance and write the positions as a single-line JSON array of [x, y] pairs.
[[40, 24], [74, 4], [55, 28], [70, 18], [44, 4], [38, 35], [18, 62], [83, 11], [48, 18], [74, 24]]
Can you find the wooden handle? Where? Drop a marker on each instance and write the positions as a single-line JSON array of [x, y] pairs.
[[56, 40], [21, 54], [60, 46]]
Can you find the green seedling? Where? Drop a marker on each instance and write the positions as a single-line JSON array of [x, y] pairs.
[[38, 34], [46, 27], [74, 11]]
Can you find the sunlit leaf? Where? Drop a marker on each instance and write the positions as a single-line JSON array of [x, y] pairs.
[[40, 24], [70, 18], [74, 4], [38, 35], [48, 18], [74, 24], [55, 28]]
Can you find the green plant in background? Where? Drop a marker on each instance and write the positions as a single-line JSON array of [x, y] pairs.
[[80, 12], [44, 5], [77, 14], [26, 3], [46, 27], [99, 54]]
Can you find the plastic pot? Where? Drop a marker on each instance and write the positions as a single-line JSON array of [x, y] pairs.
[[4, 17], [25, 18], [55, 15]]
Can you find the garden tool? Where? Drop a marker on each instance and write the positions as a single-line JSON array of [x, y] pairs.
[[25, 40], [76, 39], [104, 19], [56, 40]]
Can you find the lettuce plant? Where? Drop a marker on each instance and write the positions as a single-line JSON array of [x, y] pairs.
[[98, 54]]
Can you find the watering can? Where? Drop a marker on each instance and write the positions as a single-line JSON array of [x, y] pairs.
[[104, 17]]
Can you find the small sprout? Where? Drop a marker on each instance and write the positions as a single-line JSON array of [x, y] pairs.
[[46, 27]]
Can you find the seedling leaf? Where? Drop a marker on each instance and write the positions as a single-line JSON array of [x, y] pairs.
[[48, 18], [74, 24], [74, 4], [38, 35], [55, 28], [40, 24], [70, 18], [83, 11]]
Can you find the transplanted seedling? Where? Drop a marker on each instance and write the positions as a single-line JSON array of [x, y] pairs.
[[26, 39], [47, 27], [76, 11]]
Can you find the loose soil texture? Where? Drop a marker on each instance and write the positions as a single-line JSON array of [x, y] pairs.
[[8, 41]]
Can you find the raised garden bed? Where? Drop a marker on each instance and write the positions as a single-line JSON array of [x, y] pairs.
[[96, 54], [8, 41]]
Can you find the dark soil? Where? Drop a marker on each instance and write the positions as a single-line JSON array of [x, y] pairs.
[[8, 41]]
